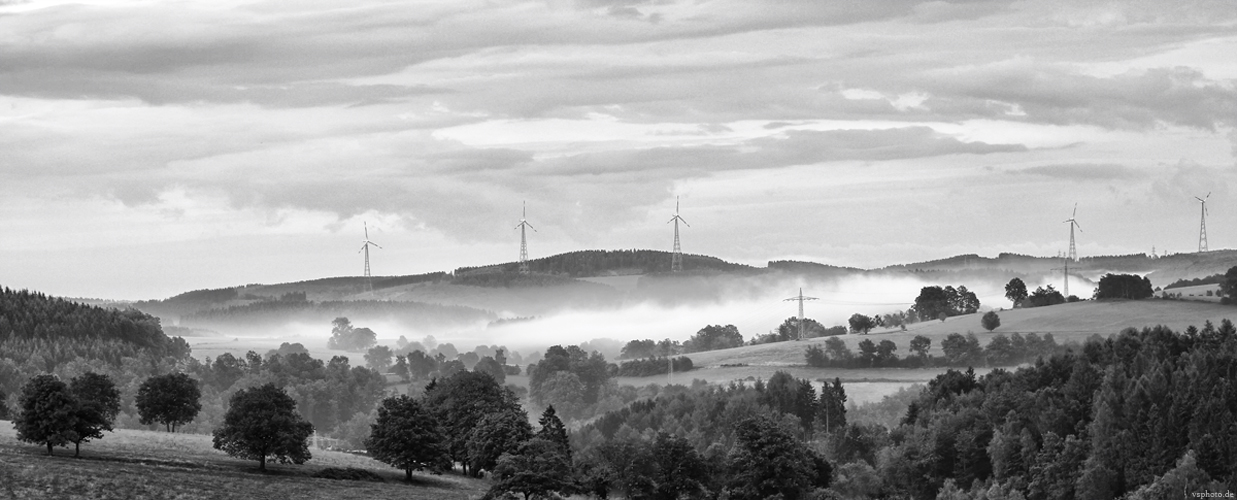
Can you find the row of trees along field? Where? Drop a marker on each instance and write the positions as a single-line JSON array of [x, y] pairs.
[[261, 422], [958, 351]]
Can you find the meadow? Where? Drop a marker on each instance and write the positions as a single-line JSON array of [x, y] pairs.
[[134, 464]]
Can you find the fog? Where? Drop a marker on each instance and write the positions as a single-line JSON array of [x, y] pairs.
[[755, 306]]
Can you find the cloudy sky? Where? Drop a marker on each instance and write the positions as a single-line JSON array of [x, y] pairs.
[[152, 147]]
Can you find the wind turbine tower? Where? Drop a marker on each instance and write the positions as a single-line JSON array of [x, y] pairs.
[[676, 258], [365, 244], [800, 298], [1073, 252], [524, 239], [1202, 225]]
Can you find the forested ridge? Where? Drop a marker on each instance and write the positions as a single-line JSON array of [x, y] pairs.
[[32, 315], [599, 262]]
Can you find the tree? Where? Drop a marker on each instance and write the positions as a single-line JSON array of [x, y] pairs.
[[460, 402], [400, 369], [496, 434], [1016, 291], [378, 358], [172, 400], [990, 321], [920, 345], [553, 430], [860, 323], [341, 333], [837, 350], [1123, 286], [262, 422], [815, 356], [831, 412], [491, 366], [536, 470], [46, 412], [931, 303], [885, 353], [713, 337], [768, 461], [97, 403], [1229, 286], [961, 350], [1044, 296], [680, 471], [407, 436], [867, 352], [4, 408]]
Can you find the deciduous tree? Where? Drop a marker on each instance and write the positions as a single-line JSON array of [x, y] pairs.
[[408, 437], [172, 400], [1016, 291], [97, 403], [262, 422], [46, 412]]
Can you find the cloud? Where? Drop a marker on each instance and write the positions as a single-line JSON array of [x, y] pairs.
[[1082, 171], [1027, 91], [1185, 180]]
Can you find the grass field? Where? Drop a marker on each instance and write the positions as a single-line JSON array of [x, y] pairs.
[[131, 464], [1066, 322]]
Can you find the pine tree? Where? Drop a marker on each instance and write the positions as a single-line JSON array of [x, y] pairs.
[[553, 430]]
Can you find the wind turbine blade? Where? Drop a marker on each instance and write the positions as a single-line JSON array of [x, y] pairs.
[[1078, 226], [1075, 210], [530, 226], [685, 222], [375, 244]]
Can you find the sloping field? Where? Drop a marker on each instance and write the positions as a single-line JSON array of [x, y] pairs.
[[1066, 322], [130, 464]]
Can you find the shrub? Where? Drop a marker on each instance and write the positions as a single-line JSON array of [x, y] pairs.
[[990, 321]]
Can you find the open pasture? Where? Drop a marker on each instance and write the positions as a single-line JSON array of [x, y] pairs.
[[133, 464]]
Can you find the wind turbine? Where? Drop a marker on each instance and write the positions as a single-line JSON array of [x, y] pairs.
[[1073, 253], [676, 258], [365, 249], [1202, 225], [800, 298], [524, 240]]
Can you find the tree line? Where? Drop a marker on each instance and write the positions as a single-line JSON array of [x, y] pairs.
[[958, 351]]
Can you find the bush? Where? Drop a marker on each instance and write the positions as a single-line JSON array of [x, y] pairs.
[[990, 321]]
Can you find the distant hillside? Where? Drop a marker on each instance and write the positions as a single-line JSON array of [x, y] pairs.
[[1160, 270], [26, 315], [588, 263]]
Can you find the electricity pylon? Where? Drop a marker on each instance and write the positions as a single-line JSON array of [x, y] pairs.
[[800, 298]]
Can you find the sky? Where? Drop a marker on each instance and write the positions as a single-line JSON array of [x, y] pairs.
[[153, 147]]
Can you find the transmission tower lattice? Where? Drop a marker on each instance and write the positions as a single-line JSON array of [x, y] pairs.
[[524, 239], [1202, 225], [1065, 270], [365, 244], [800, 298], [1073, 252], [676, 257]]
